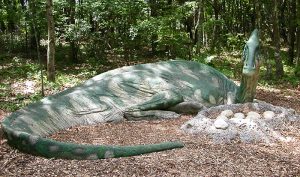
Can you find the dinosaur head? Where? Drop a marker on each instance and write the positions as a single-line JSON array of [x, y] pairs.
[[247, 89], [251, 55]]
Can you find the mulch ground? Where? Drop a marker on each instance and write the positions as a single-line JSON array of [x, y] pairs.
[[199, 157]]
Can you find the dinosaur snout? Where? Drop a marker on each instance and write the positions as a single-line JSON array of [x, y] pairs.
[[249, 71]]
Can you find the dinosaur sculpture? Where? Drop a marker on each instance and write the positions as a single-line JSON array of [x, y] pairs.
[[146, 91]]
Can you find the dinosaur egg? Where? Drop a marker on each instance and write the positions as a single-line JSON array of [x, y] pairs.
[[253, 114], [221, 124], [268, 114], [239, 115], [228, 113]]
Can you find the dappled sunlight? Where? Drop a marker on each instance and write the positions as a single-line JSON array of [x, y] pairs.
[[129, 91], [85, 72], [24, 87]]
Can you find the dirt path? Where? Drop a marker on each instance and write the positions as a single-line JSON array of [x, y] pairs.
[[199, 157]]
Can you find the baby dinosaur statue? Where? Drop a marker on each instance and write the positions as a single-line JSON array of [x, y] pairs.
[[146, 91]]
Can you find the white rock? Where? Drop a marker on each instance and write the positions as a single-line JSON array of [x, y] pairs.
[[221, 124], [222, 117], [253, 114], [236, 120], [268, 114], [228, 113], [239, 122], [239, 115], [250, 117]]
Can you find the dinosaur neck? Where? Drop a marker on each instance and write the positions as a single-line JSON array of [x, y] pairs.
[[247, 90]]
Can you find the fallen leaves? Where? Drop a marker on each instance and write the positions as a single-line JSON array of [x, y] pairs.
[[199, 157]]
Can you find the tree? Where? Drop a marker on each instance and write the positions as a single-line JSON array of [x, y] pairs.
[[32, 16], [292, 32], [97, 30], [153, 13], [298, 35], [51, 42], [73, 41], [276, 41]]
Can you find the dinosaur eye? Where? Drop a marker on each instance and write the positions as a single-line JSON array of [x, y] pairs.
[[257, 53]]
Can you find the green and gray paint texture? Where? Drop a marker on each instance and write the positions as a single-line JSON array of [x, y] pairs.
[[145, 91]]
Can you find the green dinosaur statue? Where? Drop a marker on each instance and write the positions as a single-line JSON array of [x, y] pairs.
[[145, 91]]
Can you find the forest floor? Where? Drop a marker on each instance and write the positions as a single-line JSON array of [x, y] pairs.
[[199, 157]]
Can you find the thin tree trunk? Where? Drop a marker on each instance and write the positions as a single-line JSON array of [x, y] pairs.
[[276, 41], [198, 26], [154, 37], [283, 16], [26, 40], [39, 59], [11, 23], [216, 33], [51, 42], [26, 26], [298, 48], [2, 24], [258, 15], [32, 15], [292, 32], [298, 34], [73, 42]]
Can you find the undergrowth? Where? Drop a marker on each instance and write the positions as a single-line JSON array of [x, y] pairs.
[[20, 78]]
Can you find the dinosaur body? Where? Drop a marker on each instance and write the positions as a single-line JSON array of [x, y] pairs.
[[145, 91]]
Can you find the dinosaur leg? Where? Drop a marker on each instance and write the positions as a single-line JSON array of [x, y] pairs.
[[155, 108], [150, 115], [187, 107]]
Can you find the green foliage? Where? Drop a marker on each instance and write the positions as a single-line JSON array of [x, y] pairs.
[[202, 58], [226, 63], [235, 42], [15, 72], [110, 33], [297, 71], [17, 67]]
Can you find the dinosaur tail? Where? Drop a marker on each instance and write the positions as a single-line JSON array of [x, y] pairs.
[[36, 145]]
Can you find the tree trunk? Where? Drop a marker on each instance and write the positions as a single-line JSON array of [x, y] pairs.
[[216, 31], [257, 15], [298, 34], [283, 16], [276, 41], [11, 26], [298, 48], [2, 26], [26, 40], [154, 37], [51, 42], [199, 26], [34, 31], [292, 32], [73, 41], [32, 16]]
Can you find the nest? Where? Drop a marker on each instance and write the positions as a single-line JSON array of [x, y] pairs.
[[263, 123]]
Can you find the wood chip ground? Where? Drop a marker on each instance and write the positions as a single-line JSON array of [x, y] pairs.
[[199, 157]]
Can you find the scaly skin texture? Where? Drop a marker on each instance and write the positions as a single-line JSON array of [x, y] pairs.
[[247, 89], [146, 91]]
